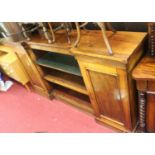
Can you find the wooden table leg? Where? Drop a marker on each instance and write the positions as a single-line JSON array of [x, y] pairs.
[[27, 87], [142, 110]]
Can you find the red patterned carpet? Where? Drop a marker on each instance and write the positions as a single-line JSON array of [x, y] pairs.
[[23, 111]]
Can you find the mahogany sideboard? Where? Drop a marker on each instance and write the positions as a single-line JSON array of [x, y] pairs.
[[87, 76]]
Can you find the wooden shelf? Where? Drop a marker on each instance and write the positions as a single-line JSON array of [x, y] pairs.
[[75, 99], [64, 63], [69, 81]]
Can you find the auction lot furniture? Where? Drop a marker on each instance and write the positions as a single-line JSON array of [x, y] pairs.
[[144, 74], [87, 76], [11, 65]]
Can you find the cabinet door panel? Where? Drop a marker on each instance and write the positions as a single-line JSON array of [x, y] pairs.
[[107, 94]]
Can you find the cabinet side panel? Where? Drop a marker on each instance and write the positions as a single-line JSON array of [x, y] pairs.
[[133, 100]]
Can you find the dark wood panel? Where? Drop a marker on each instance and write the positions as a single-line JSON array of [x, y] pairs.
[[108, 95], [151, 86], [142, 85], [150, 113]]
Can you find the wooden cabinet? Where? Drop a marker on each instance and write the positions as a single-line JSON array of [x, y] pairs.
[[35, 74], [90, 79], [144, 74], [108, 79], [112, 94], [11, 65]]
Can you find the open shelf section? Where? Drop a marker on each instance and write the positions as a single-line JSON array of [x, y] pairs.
[[64, 63], [73, 98], [67, 80]]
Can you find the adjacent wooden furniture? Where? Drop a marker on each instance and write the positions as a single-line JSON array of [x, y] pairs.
[[11, 65], [33, 70], [144, 74], [151, 31], [87, 76]]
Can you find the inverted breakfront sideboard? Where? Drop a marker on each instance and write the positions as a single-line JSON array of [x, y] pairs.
[[88, 77]]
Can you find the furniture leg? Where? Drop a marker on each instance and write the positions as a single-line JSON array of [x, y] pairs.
[[45, 32], [27, 87], [103, 29], [110, 27], [24, 31], [52, 32], [142, 110], [67, 32], [78, 34]]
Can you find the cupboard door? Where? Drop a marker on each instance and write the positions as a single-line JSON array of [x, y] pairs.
[[107, 92]]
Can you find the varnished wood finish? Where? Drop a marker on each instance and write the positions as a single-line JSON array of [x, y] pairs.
[[40, 72], [72, 98], [109, 102], [141, 85], [110, 86], [145, 69], [26, 59], [106, 78], [91, 44], [108, 89], [66, 80], [144, 74], [150, 113], [11, 65], [35, 73]]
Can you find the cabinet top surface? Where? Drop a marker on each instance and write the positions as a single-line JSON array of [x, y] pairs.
[[145, 70], [91, 43]]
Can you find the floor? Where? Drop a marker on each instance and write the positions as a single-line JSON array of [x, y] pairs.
[[23, 111]]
